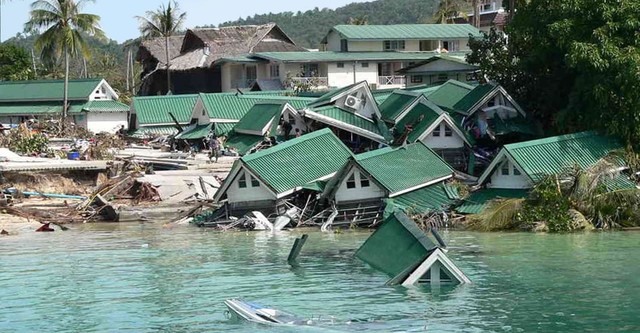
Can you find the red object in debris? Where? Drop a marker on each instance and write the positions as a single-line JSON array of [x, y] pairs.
[[45, 228]]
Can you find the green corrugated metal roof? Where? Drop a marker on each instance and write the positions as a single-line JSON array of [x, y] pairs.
[[155, 109], [195, 133], [329, 56], [407, 31], [348, 117], [518, 124], [232, 106], [153, 131], [424, 200], [617, 183], [223, 129], [259, 116], [381, 95], [554, 155], [317, 186], [299, 161], [399, 169], [397, 102], [396, 246], [420, 117], [474, 96], [478, 200], [450, 93], [27, 109], [46, 90], [242, 143], [105, 106]]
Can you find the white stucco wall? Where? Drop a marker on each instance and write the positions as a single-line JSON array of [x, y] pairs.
[[235, 194], [412, 45], [366, 110], [442, 141], [333, 42], [344, 194], [106, 121], [364, 46], [200, 113], [340, 77], [498, 180]]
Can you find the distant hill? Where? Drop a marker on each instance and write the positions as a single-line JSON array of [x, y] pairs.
[[308, 28]]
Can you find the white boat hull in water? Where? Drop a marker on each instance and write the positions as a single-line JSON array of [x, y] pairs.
[[258, 314]]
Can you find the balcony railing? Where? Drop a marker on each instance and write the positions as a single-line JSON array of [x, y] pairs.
[[393, 80], [313, 81]]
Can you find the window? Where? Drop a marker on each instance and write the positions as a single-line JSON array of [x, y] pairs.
[[254, 182], [242, 181], [516, 172], [443, 77], [450, 45], [436, 131], [365, 65], [344, 45], [310, 70], [252, 72], [340, 65], [505, 169], [275, 71], [416, 78], [393, 45], [447, 131], [351, 182], [364, 181]]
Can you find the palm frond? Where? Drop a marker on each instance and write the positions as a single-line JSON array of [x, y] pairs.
[[499, 215]]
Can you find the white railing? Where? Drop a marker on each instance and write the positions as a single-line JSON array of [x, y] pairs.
[[392, 80], [314, 81]]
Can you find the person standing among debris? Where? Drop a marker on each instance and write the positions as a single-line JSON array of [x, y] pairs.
[[287, 129], [121, 132], [214, 147]]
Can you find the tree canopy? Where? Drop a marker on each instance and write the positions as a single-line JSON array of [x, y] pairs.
[[15, 63], [574, 64]]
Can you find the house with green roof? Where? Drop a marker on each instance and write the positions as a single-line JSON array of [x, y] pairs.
[[266, 119], [92, 103], [439, 69], [412, 176], [519, 166], [265, 179], [352, 113]]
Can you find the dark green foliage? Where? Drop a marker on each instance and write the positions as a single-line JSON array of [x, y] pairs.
[[574, 64], [308, 28], [15, 63]]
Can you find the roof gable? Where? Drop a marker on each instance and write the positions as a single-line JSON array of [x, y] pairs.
[[449, 93], [475, 96], [404, 169], [356, 98], [294, 163], [553, 155], [406, 31], [47, 90]]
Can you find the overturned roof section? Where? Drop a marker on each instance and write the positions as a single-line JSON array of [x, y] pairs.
[[405, 31], [288, 166], [538, 158], [203, 47]]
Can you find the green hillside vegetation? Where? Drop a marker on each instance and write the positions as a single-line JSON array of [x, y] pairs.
[[308, 28]]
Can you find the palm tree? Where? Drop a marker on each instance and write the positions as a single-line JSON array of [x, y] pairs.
[[448, 9], [476, 14], [163, 22], [63, 26], [362, 20]]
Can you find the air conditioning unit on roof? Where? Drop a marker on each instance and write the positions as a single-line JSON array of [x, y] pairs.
[[353, 102]]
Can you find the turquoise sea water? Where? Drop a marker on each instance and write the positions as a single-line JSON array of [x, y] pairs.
[[145, 278]]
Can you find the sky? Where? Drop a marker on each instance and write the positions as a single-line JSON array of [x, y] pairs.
[[118, 22]]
